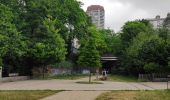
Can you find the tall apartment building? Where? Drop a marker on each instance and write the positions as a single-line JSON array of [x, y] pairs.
[[157, 22], [97, 14]]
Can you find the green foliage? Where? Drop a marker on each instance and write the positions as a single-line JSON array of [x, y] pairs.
[[11, 44], [98, 39], [18, 10], [89, 56], [168, 63], [71, 19], [138, 42], [1, 63], [145, 49], [166, 23], [64, 64], [112, 40], [164, 33], [151, 67], [147, 52], [152, 50], [52, 48], [131, 29], [42, 36]]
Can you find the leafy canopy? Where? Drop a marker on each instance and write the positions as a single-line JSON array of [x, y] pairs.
[[89, 56]]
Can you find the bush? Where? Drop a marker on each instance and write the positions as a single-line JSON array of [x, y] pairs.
[[151, 67], [64, 64], [1, 63]]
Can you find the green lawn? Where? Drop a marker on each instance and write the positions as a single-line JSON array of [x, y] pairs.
[[135, 95], [121, 78], [25, 95]]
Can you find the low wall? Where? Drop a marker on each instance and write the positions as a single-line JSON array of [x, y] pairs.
[[16, 78], [59, 71]]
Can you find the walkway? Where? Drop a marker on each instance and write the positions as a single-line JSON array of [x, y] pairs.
[[75, 95], [74, 91], [72, 85]]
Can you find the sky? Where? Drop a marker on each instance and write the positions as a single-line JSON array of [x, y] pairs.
[[117, 12]]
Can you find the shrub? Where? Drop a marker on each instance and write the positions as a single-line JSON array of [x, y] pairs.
[[151, 67], [64, 64]]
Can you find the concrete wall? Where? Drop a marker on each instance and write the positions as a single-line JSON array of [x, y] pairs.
[[59, 71], [17, 78]]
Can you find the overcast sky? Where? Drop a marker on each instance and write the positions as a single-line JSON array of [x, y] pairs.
[[120, 11]]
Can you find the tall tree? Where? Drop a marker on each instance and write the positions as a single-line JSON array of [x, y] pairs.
[[98, 38], [51, 48], [130, 30], [18, 10], [166, 23], [164, 33], [72, 20], [11, 46], [112, 40], [89, 56]]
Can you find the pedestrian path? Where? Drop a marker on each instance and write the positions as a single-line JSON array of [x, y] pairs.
[[93, 78], [75, 95]]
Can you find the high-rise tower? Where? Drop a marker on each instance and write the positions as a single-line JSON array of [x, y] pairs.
[[97, 14]]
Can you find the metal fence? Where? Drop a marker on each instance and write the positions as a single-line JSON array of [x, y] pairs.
[[154, 77]]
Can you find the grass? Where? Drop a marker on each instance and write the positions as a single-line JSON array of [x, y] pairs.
[[135, 95], [25, 95], [85, 82], [122, 78], [63, 77]]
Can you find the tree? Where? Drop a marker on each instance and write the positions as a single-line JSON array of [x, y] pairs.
[[132, 61], [151, 67], [112, 40], [147, 53], [1, 63], [28, 18], [98, 38], [153, 51], [166, 23], [11, 44], [52, 48], [72, 20], [18, 9], [130, 30], [89, 56], [133, 36], [164, 33]]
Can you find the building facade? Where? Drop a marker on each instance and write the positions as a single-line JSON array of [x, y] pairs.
[[157, 22], [75, 46], [97, 14]]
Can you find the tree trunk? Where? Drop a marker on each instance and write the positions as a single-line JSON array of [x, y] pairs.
[[43, 71], [97, 74], [90, 77]]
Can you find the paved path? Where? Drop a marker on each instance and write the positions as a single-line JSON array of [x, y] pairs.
[[75, 95], [76, 91], [72, 85]]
